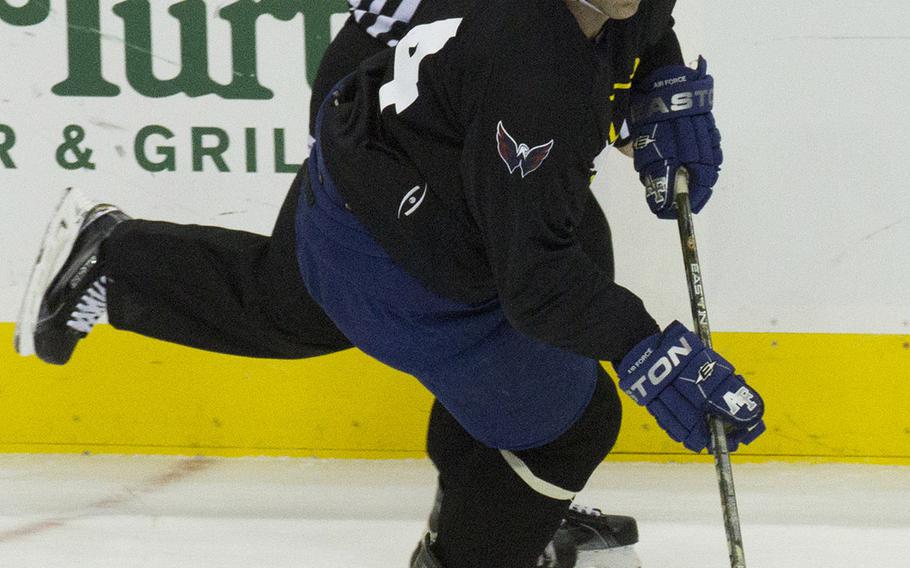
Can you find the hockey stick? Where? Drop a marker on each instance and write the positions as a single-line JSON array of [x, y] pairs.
[[703, 329]]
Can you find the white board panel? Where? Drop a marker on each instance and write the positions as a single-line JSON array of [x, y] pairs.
[[808, 230]]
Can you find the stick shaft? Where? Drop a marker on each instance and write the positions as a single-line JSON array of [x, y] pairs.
[[703, 329]]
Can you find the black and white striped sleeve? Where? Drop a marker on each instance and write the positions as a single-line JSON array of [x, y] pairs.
[[386, 20]]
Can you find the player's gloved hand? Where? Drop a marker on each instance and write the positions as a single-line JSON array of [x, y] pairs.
[[682, 382], [673, 127]]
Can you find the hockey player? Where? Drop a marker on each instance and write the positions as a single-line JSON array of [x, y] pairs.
[[587, 536], [438, 224]]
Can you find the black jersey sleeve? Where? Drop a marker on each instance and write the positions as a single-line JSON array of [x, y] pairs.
[[661, 45], [526, 169]]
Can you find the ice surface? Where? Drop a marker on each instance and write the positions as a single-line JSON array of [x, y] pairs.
[[170, 512]]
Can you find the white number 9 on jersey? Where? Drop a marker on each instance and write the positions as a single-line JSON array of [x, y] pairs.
[[418, 43]]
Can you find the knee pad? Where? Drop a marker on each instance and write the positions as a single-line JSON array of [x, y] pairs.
[[570, 460]]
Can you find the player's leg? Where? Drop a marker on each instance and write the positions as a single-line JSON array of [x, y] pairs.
[[206, 287], [215, 289], [503, 508], [586, 538]]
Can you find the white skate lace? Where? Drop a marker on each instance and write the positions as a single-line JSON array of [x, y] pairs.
[[588, 511], [91, 307]]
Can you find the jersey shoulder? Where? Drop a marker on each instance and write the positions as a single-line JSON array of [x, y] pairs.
[[528, 58], [533, 30]]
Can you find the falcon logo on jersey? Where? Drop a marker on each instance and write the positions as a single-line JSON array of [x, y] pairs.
[[520, 156]]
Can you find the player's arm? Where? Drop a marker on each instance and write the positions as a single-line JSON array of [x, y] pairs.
[[525, 176], [672, 121], [660, 50], [661, 47], [551, 290], [526, 182]]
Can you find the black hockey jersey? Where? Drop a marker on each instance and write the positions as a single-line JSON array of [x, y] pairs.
[[468, 151]]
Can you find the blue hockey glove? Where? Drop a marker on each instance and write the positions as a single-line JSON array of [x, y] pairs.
[[673, 127], [682, 382]]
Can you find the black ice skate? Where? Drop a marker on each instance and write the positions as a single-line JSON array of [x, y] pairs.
[[588, 538], [66, 292]]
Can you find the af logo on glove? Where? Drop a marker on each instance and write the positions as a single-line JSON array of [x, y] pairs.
[[656, 189], [740, 399], [682, 381], [520, 156]]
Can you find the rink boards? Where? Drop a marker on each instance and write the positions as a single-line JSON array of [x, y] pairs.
[[829, 397], [803, 246]]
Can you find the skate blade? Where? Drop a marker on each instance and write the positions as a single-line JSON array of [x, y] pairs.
[[620, 557], [56, 245]]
